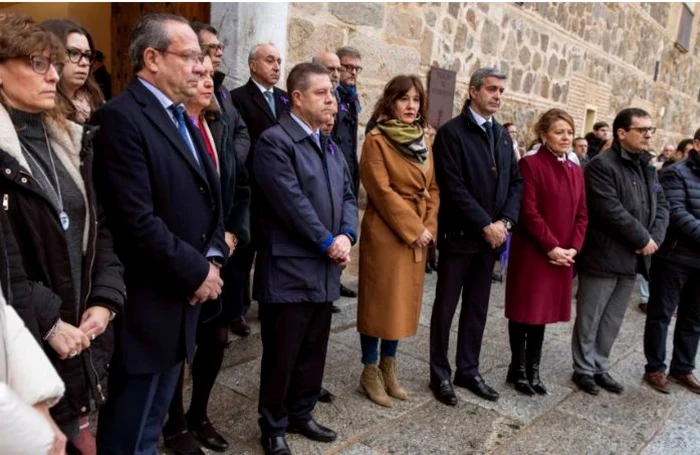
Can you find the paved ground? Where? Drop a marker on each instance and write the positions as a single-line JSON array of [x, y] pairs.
[[566, 421]]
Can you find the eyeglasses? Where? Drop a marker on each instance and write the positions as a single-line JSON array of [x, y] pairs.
[[352, 69], [208, 48], [41, 64], [644, 130], [190, 56], [75, 55]]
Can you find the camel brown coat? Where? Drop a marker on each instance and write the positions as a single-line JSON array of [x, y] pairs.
[[402, 201]]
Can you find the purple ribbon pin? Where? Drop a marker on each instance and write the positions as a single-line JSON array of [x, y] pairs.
[[284, 99]]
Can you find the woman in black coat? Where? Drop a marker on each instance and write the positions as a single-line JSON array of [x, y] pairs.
[[212, 332], [46, 190]]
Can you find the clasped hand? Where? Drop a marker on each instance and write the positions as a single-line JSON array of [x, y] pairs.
[[424, 240], [561, 257], [68, 340], [210, 289], [495, 234], [649, 249], [339, 250]]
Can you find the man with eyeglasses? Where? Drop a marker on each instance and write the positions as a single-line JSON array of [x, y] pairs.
[[627, 220], [346, 122], [162, 198]]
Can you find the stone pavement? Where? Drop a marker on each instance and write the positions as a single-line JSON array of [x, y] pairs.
[[566, 421]]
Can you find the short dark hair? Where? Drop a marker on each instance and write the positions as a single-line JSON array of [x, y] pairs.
[[348, 51], [199, 27], [394, 90], [599, 125], [478, 77], [624, 119], [99, 56], [507, 125], [150, 32], [298, 78], [683, 144], [696, 136], [579, 138]]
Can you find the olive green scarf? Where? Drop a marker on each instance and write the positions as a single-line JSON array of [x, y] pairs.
[[408, 139]]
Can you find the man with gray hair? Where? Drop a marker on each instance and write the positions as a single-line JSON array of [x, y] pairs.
[[480, 189], [162, 199]]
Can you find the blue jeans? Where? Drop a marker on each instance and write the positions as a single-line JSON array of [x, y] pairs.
[[370, 345]]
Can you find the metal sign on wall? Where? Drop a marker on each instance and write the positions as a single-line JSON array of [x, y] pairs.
[[441, 96]]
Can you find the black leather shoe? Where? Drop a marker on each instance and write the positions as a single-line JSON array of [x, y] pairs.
[[325, 396], [312, 430], [478, 387], [518, 378], [209, 437], [444, 392], [240, 327], [608, 383], [335, 309], [347, 292], [275, 445], [586, 383], [183, 443]]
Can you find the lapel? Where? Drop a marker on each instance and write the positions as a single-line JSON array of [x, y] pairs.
[[298, 135], [155, 112], [258, 98], [280, 105]]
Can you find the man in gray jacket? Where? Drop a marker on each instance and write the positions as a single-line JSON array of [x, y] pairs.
[[627, 220], [308, 225]]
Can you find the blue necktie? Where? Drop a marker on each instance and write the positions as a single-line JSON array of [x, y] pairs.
[[489, 134], [179, 112], [315, 137], [270, 101]]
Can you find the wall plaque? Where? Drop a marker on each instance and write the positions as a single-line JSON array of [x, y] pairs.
[[441, 96]]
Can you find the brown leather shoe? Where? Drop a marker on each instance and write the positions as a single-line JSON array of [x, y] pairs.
[[687, 380], [240, 327], [643, 307], [658, 381]]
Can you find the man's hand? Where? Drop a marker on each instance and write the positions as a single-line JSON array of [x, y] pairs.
[[650, 249], [340, 248], [495, 234], [424, 240], [561, 257], [68, 340], [95, 321], [231, 242], [211, 287], [58, 446]]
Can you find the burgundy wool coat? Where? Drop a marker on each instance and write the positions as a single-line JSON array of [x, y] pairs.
[[552, 213]]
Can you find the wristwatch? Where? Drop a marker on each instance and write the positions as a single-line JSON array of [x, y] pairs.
[[507, 223]]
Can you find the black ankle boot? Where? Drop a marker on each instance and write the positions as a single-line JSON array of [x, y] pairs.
[[535, 338], [517, 373]]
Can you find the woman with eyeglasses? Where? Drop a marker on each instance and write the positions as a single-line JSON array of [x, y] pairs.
[[212, 332], [47, 195], [78, 93]]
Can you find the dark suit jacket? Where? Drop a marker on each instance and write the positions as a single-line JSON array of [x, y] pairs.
[[238, 129], [307, 201], [477, 187], [165, 212], [345, 135]]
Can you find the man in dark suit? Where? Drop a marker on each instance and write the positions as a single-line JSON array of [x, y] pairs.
[[234, 292], [163, 203], [261, 104], [480, 189], [308, 224]]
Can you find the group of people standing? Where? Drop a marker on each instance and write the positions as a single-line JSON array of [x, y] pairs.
[[129, 230]]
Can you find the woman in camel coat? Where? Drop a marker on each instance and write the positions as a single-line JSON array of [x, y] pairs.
[[400, 222]]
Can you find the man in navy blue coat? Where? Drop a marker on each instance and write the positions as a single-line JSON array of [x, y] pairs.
[[162, 198], [308, 224]]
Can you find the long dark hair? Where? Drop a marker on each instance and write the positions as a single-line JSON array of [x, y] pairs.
[[394, 90], [62, 28]]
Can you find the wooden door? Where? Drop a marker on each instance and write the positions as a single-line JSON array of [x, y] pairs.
[[124, 19]]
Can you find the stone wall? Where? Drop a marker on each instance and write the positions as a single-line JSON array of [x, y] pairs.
[[577, 56]]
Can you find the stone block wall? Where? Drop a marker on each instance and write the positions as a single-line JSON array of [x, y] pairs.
[[577, 56]]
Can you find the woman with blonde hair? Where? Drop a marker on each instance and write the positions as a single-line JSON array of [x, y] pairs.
[[400, 223]]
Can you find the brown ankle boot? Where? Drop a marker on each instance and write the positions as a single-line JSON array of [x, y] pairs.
[[372, 384], [388, 367]]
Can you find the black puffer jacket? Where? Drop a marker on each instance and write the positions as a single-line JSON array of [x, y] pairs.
[[615, 225], [681, 183], [44, 255]]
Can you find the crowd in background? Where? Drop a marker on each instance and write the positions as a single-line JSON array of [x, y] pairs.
[[131, 222]]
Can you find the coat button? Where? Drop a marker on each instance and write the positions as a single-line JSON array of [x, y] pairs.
[[202, 190], [204, 237], [8, 171], [24, 179], [83, 409]]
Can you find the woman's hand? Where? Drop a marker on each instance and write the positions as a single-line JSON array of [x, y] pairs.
[[424, 240], [561, 257], [58, 447], [95, 321], [231, 242], [68, 340]]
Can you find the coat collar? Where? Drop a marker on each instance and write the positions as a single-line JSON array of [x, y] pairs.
[[644, 157]]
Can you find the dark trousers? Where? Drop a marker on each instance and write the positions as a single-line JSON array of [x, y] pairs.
[[237, 279], [470, 276], [295, 340], [130, 422], [211, 343], [672, 286]]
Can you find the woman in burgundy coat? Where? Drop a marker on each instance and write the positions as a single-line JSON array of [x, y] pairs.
[[553, 220]]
